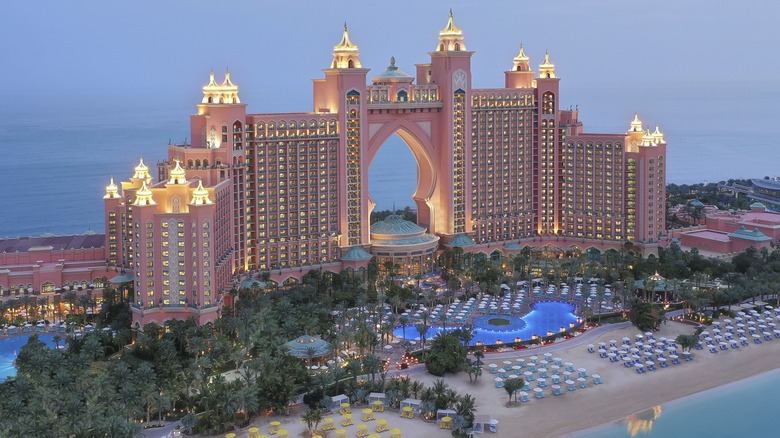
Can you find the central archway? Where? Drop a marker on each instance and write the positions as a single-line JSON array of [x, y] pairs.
[[421, 146]]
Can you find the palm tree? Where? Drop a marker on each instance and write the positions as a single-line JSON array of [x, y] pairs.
[[312, 418]]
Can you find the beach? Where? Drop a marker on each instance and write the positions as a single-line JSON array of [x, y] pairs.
[[623, 393]]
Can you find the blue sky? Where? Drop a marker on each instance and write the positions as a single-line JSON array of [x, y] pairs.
[[163, 50]]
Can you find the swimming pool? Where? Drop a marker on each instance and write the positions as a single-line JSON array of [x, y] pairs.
[[9, 348], [544, 317], [743, 408]]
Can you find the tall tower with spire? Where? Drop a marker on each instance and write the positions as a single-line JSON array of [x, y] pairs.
[[451, 69], [343, 91]]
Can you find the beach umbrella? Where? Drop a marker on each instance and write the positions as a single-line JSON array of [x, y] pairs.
[[499, 379], [533, 358]]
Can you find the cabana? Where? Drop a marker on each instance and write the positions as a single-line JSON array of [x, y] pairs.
[[441, 413], [413, 403], [483, 423], [374, 396], [337, 400]]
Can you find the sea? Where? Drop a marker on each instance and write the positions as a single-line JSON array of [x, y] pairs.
[[56, 157], [745, 408]]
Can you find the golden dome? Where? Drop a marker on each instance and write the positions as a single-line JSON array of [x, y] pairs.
[[200, 196], [112, 191], [177, 175]]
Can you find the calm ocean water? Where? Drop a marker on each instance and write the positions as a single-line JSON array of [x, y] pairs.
[[747, 409], [57, 158]]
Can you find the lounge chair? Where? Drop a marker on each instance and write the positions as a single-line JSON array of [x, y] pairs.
[[713, 349], [524, 397], [597, 379], [539, 394], [557, 391]]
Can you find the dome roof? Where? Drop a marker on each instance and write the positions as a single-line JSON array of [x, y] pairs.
[[299, 347], [356, 253], [392, 73], [395, 225]]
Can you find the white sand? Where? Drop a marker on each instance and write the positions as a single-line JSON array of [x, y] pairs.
[[623, 393]]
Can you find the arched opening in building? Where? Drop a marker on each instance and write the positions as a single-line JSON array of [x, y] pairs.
[[392, 177]]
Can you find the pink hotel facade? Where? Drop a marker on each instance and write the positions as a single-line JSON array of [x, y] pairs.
[[498, 169]]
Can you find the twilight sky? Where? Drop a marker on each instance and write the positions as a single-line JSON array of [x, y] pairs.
[[162, 50]]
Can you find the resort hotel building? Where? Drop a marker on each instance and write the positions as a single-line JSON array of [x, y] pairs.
[[499, 169]]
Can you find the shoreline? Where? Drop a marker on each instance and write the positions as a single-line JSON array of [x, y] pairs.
[[624, 392], [678, 401]]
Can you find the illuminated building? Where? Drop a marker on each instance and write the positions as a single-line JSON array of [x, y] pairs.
[[498, 169]]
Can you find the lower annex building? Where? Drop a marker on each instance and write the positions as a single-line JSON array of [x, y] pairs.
[[498, 169]]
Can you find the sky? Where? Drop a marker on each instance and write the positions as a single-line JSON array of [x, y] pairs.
[[98, 52]]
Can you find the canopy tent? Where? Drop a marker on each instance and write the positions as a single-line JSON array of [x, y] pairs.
[[441, 413], [483, 423], [374, 396], [413, 403]]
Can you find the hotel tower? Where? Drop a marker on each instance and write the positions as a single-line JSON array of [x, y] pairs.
[[498, 169]]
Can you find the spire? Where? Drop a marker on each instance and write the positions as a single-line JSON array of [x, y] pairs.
[[200, 196], [345, 53], [144, 196], [450, 28], [177, 175], [212, 82], [141, 171], [658, 136], [451, 37], [636, 124], [521, 61], [226, 82], [345, 43], [547, 68], [112, 191]]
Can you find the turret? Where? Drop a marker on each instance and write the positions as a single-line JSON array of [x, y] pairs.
[[200, 196], [647, 139], [451, 37], [345, 53], [521, 61], [521, 75], [547, 68], [144, 196], [658, 136], [224, 93], [112, 191], [636, 124], [177, 175], [142, 173]]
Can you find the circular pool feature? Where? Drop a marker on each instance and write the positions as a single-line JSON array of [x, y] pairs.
[[545, 317], [502, 323]]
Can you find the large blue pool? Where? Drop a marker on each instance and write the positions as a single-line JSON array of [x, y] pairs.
[[9, 348], [546, 316]]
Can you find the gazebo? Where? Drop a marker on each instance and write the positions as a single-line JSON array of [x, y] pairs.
[[306, 346], [654, 284]]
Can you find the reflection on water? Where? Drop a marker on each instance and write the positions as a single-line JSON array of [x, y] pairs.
[[643, 421]]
